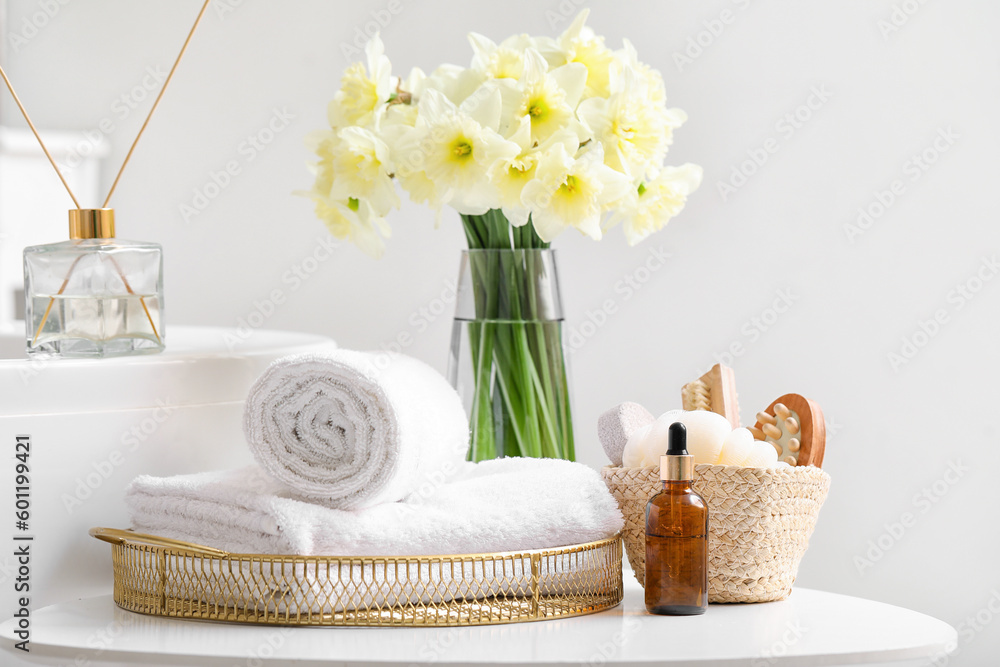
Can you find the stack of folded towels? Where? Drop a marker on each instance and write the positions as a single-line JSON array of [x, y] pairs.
[[363, 454]]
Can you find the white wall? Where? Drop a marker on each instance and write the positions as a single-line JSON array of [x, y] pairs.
[[895, 431]]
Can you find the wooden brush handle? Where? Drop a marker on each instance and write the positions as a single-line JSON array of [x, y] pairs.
[[714, 391]]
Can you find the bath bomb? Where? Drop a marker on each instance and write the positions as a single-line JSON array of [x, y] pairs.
[[616, 425], [762, 456], [737, 447], [706, 432]]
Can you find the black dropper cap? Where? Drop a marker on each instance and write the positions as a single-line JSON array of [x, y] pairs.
[[677, 442]]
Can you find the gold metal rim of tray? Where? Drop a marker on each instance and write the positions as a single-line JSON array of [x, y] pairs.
[[163, 577]]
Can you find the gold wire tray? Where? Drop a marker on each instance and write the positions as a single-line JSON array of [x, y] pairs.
[[163, 577]]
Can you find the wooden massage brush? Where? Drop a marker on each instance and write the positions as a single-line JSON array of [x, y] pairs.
[[794, 426]]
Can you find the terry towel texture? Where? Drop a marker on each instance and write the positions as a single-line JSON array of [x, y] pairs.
[[352, 429], [501, 505]]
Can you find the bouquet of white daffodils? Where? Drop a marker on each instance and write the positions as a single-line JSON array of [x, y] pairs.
[[537, 135]]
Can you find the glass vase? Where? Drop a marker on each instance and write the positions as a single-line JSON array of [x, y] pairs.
[[507, 360]]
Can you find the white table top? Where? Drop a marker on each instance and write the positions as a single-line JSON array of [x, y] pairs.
[[809, 628]]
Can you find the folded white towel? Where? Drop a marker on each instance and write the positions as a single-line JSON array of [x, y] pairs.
[[502, 505], [355, 429]]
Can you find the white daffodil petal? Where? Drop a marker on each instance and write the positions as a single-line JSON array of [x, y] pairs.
[[517, 216], [481, 44], [535, 65], [576, 27], [572, 78], [484, 106]]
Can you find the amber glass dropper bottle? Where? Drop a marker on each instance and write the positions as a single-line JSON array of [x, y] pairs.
[[677, 536]]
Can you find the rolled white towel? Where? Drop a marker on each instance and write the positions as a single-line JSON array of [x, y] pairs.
[[354, 429], [501, 505]]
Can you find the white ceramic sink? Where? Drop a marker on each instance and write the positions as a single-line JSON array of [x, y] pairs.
[[96, 424]]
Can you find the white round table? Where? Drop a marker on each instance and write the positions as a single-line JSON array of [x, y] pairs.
[[809, 628]]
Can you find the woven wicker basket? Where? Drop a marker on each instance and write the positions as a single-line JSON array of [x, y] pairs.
[[760, 520]]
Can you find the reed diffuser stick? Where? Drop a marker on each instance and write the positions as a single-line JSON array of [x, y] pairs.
[[17, 100], [156, 102]]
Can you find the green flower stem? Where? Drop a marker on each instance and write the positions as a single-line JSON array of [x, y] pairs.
[[520, 401], [481, 420]]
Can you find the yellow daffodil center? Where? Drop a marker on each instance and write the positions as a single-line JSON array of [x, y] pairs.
[[506, 64], [545, 105], [538, 109], [574, 199], [520, 172], [626, 132], [570, 185], [461, 148]]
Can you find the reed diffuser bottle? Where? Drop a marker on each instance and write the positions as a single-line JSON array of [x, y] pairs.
[[677, 536], [94, 295]]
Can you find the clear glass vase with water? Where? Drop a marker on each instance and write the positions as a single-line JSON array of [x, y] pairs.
[[507, 356]]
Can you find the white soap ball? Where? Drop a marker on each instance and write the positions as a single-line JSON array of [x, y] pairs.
[[634, 454], [737, 447], [763, 455], [706, 432], [646, 445]]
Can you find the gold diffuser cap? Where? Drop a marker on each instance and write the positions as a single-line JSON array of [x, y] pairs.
[[91, 223]]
